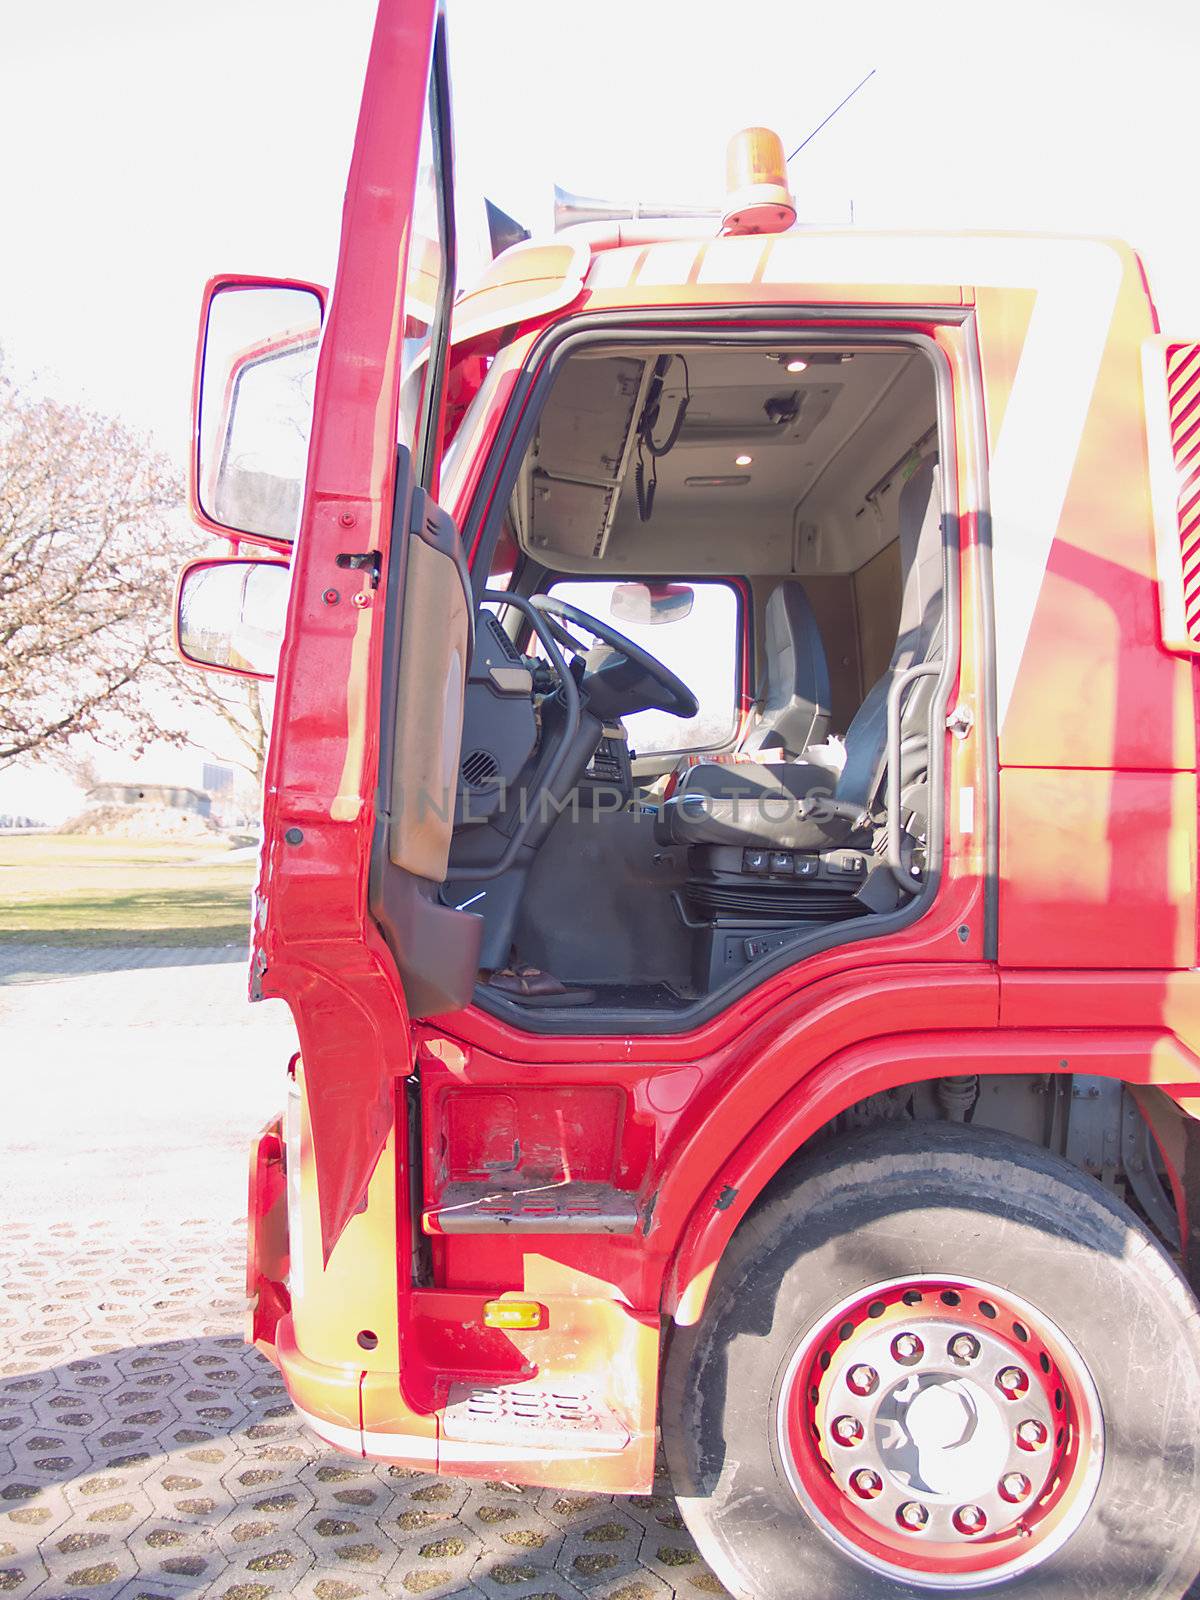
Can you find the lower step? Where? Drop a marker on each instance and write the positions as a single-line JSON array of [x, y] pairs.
[[533, 1208], [554, 1418]]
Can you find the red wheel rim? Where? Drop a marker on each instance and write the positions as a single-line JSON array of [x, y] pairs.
[[942, 1431]]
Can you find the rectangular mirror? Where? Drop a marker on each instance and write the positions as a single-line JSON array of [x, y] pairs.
[[651, 602], [257, 365], [230, 615]]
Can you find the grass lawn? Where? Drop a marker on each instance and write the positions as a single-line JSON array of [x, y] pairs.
[[64, 889]]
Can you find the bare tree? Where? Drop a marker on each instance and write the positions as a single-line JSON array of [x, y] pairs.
[[90, 539], [243, 705]]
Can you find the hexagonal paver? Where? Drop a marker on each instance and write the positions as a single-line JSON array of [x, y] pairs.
[[170, 1463], [146, 1453]]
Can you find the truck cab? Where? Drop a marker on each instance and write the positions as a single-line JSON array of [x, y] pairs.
[[729, 849]]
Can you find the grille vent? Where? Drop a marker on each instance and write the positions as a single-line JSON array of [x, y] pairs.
[[499, 637], [768, 902], [479, 769], [1183, 406], [1172, 390]]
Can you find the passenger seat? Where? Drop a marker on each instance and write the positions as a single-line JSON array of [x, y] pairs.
[[800, 805]]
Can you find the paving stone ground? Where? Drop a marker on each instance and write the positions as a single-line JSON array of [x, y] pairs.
[[145, 1451]]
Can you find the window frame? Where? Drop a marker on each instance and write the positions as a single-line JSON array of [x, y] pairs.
[[427, 431]]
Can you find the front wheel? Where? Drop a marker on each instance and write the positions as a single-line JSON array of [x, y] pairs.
[[941, 1361]]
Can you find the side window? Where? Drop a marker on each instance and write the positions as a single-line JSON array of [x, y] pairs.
[[504, 559], [702, 648], [429, 280]]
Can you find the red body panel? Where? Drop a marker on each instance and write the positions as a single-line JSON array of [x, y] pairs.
[[1099, 868]]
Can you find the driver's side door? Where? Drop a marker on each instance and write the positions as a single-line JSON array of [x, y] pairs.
[[349, 928]]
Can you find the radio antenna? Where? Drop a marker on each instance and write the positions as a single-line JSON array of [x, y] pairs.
[[831, 115]]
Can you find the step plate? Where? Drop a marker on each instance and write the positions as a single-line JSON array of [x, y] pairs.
[[537, 1208], [554, 1418]]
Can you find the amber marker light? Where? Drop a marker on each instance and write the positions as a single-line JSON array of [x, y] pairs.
[[756, 184], [514, 1314]]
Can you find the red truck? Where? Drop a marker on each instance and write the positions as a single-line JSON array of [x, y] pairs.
[[729, 850]]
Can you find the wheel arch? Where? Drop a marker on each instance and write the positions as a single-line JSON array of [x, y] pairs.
[[1161, 1071]]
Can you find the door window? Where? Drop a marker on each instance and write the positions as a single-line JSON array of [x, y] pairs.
[[429, 280], [701, 647]]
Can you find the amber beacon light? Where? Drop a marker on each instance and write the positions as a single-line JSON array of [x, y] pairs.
[[756, 184]]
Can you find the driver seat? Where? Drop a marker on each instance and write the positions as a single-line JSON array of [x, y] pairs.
[[794, 705], [800, 805]]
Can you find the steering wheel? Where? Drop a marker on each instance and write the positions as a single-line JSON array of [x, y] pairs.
[[674, 695]]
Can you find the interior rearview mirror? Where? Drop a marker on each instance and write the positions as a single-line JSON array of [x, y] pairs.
[[651, 603], [254, 397], [230, 614]]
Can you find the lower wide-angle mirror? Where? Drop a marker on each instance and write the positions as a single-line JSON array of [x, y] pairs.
[[230, 613]]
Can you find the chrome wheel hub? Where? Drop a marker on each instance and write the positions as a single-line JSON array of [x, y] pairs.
[[942, 1432], [938, 1429]]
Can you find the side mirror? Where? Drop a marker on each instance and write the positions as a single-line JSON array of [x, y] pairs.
[[230, 614], [651, 603], [252, 405]]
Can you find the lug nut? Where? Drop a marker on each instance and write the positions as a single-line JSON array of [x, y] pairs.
[[866, 1484], [1014, 1486], [1031, 1435], [912, 1515], [907, 1348], [863, 1380], [969, 1519], [964, 1347], [847, 1430], [1011, 1381]]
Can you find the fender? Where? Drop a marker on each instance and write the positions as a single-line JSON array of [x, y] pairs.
[[1135, 1056]]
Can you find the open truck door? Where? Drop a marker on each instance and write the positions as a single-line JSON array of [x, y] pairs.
[[372, 662]]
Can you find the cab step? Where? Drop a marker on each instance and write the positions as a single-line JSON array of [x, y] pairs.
[[555, 1418], [532, 1208]]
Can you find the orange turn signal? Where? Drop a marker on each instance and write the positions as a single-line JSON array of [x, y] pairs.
[[514, 1314], [756, 180]]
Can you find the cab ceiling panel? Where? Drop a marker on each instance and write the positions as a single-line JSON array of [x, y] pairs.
[[580, 455], [583, 432], [787, 414], [817, 440]]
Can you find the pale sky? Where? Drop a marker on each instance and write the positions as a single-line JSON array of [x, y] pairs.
[[150, 143]]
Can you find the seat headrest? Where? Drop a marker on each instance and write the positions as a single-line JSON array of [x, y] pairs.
[[796, 695]]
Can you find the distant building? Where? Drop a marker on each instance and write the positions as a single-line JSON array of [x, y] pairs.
[[217, 779], [175, 797]]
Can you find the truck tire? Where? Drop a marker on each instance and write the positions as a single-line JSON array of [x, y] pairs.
[[938, 1360]]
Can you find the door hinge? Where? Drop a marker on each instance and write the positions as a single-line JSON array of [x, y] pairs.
[[960, 721], [368, 561]]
